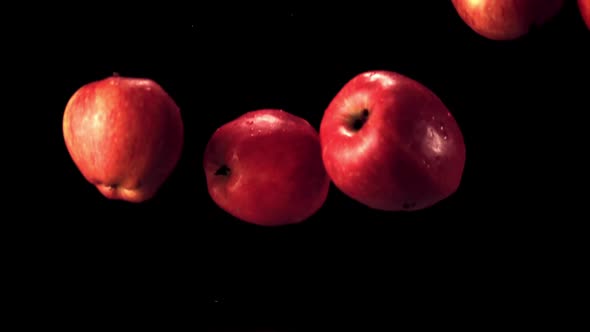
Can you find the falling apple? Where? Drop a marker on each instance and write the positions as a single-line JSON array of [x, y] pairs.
[[584, 6], [265, 168], [390, 143], [125, 135], [506, 19]]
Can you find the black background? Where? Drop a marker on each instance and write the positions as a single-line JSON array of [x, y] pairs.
[[180, 254]]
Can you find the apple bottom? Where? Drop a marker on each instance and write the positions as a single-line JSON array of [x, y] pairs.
[[120, 193], [506, 19]]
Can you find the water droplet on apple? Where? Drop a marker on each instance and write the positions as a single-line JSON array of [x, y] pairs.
[[445, 137], [442, 127], [426, 163]]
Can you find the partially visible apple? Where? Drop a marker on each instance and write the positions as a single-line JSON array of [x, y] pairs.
[[390, 143], [506, 19], [265, 168], [125, 135], [584, 6]]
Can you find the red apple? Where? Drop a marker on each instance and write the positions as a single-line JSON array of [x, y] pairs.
[[125, 135], [506, 19], [265, 168], [584, 6], [390, 143]]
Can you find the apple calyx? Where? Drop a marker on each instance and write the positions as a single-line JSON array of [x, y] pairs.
[[223, 170], [358, 120]]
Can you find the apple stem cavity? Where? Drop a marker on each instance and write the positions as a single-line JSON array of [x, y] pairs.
[[359, 121], [223, 171]]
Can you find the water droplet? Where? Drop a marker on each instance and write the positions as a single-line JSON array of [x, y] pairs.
[[442, 127], [433, 118], [426, 163], [445, 137], [430, 133]]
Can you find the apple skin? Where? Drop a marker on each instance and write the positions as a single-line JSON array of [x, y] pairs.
[[506, 19], [584, 7], [276, 175], [125, 135], [408, 155]]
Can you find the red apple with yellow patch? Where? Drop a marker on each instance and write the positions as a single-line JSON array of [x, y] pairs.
[[125, 135], [506, 19], [265, 167]]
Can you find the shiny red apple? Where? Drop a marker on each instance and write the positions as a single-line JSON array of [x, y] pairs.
[[506, 19], [390, 143], [265, 168], [584, 7], [125, 135]]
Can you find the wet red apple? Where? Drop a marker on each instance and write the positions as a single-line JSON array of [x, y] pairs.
[[390, 143], [506, 19], [265, 168], [125, 135]]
